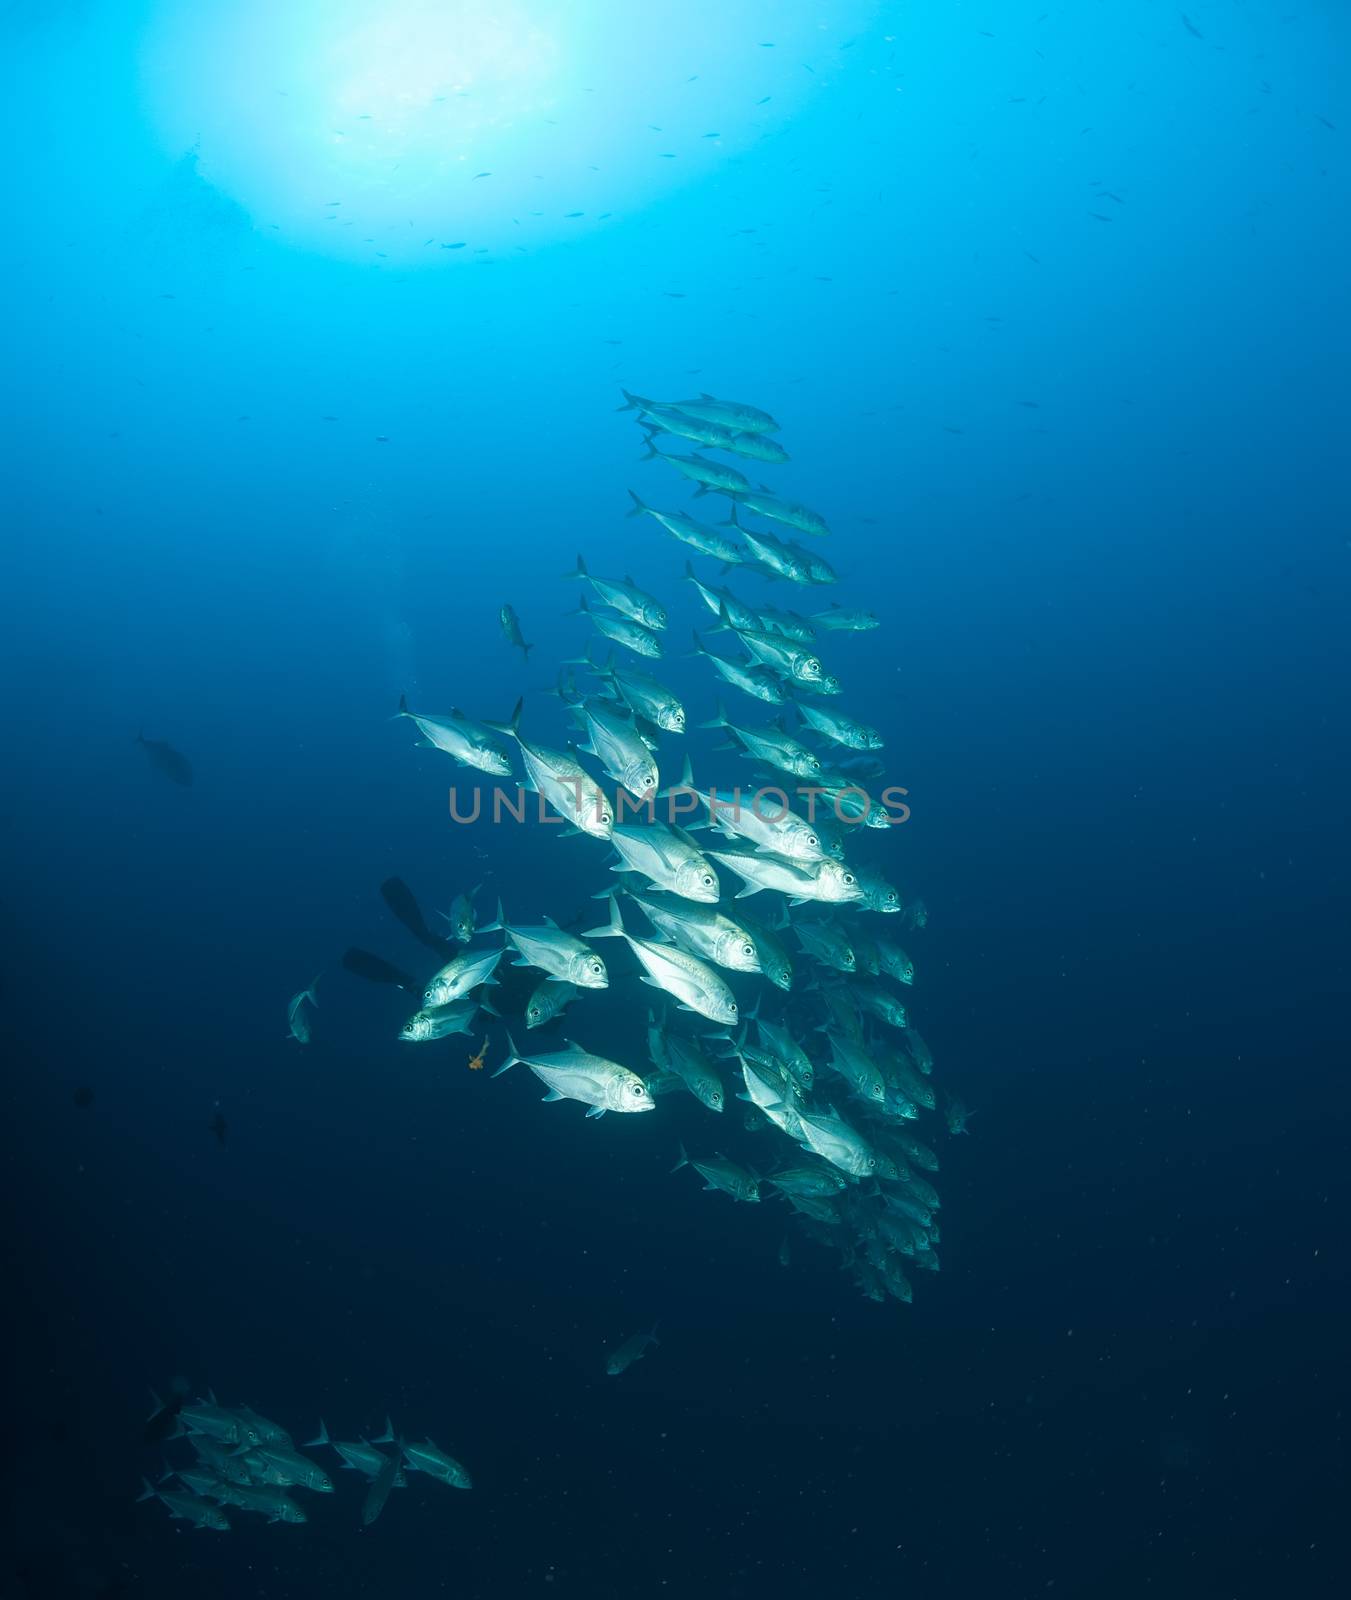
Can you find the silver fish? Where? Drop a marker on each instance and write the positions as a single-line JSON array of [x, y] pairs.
[[297, 1016], [707, 541], [623, 630], [563, 783], [575, 1074], [707, 408], [459, 978], [614, 740], [622, 1357], [690, 981], [702, 930], [561, 955], [719, 1173], [472, 744], [842, 730], [801, 881], [696, 1072], [624, 597], [548, 1002], [668, 858], [709, 475], [511, 628], [439, 1022]]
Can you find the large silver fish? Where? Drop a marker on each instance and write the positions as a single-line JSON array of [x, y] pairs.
[[703, 930], [645, 695], [472, 744], [731, 414], [788, 512], [613, 738], [693, 983], [842, 730], [709, 475], [564, 783], [668, 858], [561, 955], [707, 541], [624, 597], [623, 630], [575, 1074], [439, 1022], [460, 977], [827, 880], [770, 745]]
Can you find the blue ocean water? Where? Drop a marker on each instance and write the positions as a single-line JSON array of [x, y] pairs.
[[318, 320]]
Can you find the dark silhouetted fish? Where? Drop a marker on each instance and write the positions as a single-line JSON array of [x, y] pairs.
[[376, 970], [218, 1126], [399, 898], [164, 758]]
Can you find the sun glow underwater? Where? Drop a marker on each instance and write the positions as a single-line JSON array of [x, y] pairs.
[[426, 131]]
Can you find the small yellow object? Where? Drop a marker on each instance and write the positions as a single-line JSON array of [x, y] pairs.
[[476, 1062]]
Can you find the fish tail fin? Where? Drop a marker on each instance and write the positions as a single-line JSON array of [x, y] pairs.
[[639, 506], [698, 643], [720, 721], [684, 1159], [486, 1005], [323, 1438], [614, 929], [579, 571], [514, 1058], [499, 922], [403, 710], [632, 402], [387, 1437], [724, 622], [148, 1490], [651, 453]]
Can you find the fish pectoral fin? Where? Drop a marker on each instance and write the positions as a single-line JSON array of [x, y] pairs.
[[553, 1094], [597, 1111]]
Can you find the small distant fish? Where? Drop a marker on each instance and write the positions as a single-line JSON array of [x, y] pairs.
[[164, 758], [297, 1017], [1191, 27], [218, 1126], [511, 628], [623, 1356]]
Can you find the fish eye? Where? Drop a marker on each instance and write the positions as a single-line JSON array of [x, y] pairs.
[[637, 1089], [748, 949], [708, 880], [732, 1008], [849, 877], [597, 967], [716, 1097]]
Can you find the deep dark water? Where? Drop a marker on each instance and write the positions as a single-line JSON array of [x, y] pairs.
[[1112, 674]]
